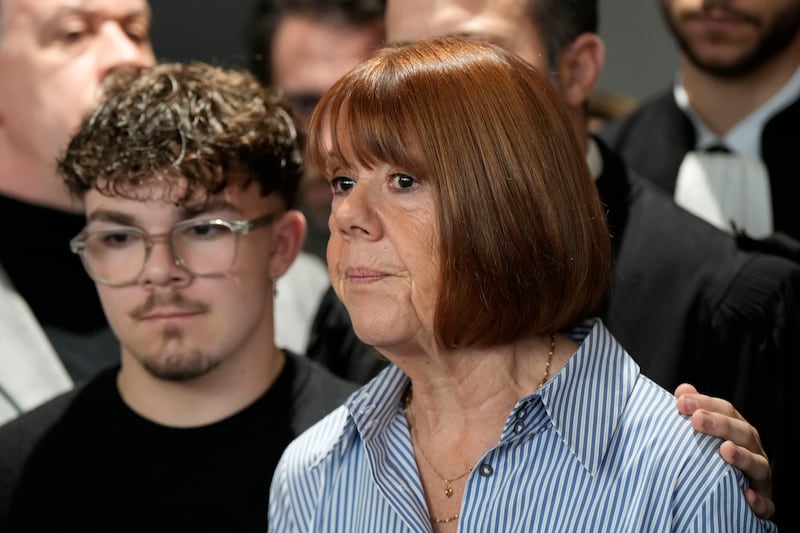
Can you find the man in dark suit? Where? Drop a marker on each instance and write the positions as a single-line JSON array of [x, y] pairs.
[[685, 301], [737, 90]]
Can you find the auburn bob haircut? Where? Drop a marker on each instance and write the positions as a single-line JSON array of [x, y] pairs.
[[523, 240]]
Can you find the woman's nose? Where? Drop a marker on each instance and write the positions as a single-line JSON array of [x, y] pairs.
[[354, 215]]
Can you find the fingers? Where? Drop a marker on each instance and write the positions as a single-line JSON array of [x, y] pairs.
[[742, 447], [717, 417], [689, 402], [754, 465], [685, 388], [761, 506]]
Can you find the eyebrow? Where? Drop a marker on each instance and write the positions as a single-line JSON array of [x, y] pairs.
[[186, 212], [215, 204], [106, 215], [67, 11]]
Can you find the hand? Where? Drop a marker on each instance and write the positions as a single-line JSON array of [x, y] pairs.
[[742, 447]]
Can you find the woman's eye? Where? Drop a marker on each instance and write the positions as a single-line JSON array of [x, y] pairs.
[[404, 181], [341, 184]]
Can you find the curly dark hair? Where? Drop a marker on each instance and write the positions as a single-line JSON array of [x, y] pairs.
[[212, 127]]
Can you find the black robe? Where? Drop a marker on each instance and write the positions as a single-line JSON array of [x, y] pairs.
[[654, 139]]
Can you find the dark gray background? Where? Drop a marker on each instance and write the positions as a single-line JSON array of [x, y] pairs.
[[640, 56]]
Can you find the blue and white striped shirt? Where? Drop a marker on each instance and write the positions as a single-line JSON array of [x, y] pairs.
[[598, 448]]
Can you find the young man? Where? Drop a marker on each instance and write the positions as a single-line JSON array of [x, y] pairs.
[[54, 55], [685, 302], [188, 176], [738, 87]]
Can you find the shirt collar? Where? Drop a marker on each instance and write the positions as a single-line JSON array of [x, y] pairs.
[[599, 369], [745, 137], [588, 396], [594, 158], [372, 407]]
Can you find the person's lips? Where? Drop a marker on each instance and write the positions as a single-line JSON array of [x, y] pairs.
[[717, 18], [364, 275], [168, 314]]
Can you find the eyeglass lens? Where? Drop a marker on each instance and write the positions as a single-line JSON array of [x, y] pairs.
[[119, 256]]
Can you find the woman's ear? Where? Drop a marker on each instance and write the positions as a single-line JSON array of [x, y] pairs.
[[289, 232], [579, 68]]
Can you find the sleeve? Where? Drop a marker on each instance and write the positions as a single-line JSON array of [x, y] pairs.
[[725, 510], [280, 505], [758, 326]]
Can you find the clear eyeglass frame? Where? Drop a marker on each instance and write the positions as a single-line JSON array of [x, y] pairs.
[[238, 228]]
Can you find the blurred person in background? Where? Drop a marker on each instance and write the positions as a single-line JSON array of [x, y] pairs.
[[54, 56], [721, 141], [301, 47]]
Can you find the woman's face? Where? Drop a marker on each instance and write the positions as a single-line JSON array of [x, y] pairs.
[[382, 254]]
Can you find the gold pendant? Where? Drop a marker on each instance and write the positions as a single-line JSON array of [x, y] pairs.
[[448, 490]]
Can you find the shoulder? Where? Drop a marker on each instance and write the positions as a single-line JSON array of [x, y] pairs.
[[765, 290], [23, 432], [299, 479], [652, 110], [654, 433], [24, 435], [684, 467], [682, 257], [315, 391], [63, 416], [315, 445], [660, 233]]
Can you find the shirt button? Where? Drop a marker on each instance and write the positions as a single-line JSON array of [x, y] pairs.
[[486, 470], [521, 414], [518, 427]]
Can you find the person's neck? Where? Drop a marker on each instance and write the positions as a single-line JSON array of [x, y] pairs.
[[459, 400], [460, 388], [233, 385], [722, 103], [29, 183]]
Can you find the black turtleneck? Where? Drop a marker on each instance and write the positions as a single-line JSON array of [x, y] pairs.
[[36, 256]]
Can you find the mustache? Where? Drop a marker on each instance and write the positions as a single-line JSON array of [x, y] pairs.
[[172, 300], [726, 7]]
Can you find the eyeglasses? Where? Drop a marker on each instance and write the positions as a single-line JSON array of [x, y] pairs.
[[201, 246]]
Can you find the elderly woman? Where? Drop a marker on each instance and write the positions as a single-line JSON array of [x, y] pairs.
[[469, 247]]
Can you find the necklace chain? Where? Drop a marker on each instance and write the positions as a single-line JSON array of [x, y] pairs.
[[549, 360], [448, 487]]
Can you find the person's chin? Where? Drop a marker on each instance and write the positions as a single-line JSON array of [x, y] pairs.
[[179, 365]]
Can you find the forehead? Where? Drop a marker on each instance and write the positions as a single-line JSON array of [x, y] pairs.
[[40, 11], [167, 194], [317, 53], [506, 23]]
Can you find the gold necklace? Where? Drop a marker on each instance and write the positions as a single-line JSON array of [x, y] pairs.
[[448, 487], [549, 360]]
